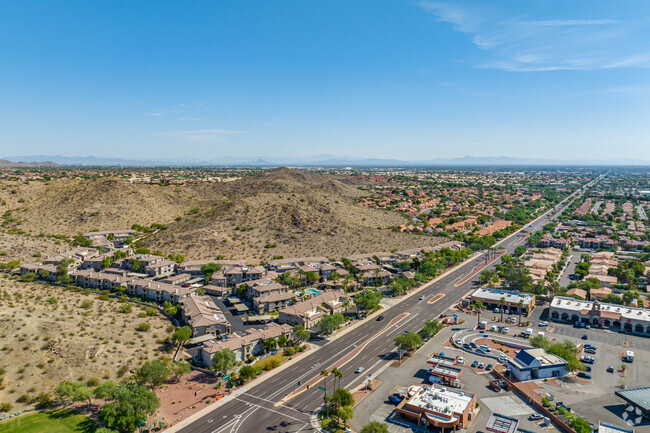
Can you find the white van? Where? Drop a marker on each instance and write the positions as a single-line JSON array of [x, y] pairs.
[[629, 356], [529, 332]]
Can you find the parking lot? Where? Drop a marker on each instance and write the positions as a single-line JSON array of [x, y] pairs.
[[377, 407]]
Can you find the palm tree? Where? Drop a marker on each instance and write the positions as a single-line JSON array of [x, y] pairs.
[[338, 374], [521, 308], [325, 373], [478, 306], [503, 303]]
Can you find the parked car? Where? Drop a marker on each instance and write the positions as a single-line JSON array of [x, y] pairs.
[[590, 351], [542, 324], [459, 341], [506, 330], [380, 318], [610, 369], [461, 360], [588, 369], [584, 336], [185, 285], [443, 315], [474, 364], [467, 346], [493, 328], [584, 375], [481, 365], [535, 417], [394, 399], [587, 359], [589, 346], [359, 370], [473, 345], [488, 367]]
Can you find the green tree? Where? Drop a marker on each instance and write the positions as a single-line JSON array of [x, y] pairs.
[[539, 341], [407, 342], [375, 427], [301, 333], [345, 413], [368, 300], [104, 390], [429, 329], [224, 360], [282, 341], [341, 397], [325, 373], [502, 301], [486, 276], [517, 277], [338, 374], [129, 404], [153, 372], [247, 372], [210, 269], [135, 264], [520, 250], [270, 344], [180, 336], [330, 323], [180, 368], [580, 425]]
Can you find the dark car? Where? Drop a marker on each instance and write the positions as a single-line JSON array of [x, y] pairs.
[[588, 368], [488, 367], [589, 346], [380, 318], [590, 351], [610, 369], [474, 364], [584, 336], [394, 399], [584, 375], [443, 315], [467, 346], [473, 345]]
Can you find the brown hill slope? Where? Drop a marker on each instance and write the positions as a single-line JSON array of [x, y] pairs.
[[73, 206], [293, 213]]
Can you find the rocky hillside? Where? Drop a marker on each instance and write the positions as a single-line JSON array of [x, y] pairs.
[[277, 213], [286, 213]]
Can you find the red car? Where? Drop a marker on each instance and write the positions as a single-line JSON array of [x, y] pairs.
[[443, 315], [185, 285]]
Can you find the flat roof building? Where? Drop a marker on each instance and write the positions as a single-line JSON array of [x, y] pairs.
[[491, 298], [638, 404], [437, 406], [604, 427], [613, 316], [501, 424], [536, 364]]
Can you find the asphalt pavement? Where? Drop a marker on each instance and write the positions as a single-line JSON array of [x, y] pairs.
[[258, 408]]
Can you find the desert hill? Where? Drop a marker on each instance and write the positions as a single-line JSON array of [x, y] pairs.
[[73, 206], [288, 213], [280, 212]]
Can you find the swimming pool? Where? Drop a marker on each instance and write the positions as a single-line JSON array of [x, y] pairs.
[[314, 292]]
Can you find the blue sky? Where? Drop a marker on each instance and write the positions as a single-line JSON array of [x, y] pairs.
[[389, 79]]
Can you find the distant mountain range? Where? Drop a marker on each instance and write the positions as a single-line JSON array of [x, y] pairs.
[[4, 163], [313, 161]]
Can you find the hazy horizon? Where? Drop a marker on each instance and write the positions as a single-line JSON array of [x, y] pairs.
[[404, 80]]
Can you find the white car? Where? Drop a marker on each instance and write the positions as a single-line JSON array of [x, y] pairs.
[[459, 342], [461, 360], [543, 324], [359, 370], [506, 330], [493, 328]]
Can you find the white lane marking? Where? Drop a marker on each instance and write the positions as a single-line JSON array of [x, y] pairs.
[[272, 410]]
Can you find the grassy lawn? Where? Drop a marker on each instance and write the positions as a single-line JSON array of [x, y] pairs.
[[51, 421], [266, 363]]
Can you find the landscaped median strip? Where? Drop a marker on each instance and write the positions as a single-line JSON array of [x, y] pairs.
[[479, 268], [436, 298], [341, 362]]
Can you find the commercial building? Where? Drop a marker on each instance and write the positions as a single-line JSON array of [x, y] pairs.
[[613, 316], [604, 427], [638, 404], [437, 407], [536, 364], [491, 298], [502, 424]]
